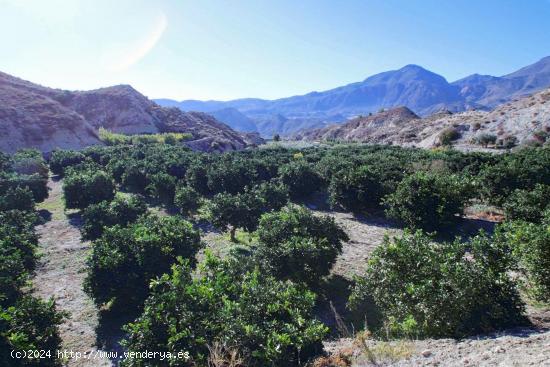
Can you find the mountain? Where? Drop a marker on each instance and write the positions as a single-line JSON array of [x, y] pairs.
[[235, 119], [491, 91], [33, 116], [525, 119], [420, 90]]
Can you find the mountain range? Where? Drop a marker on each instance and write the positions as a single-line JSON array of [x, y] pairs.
[[525, 120], [412, 86], [33, 116]]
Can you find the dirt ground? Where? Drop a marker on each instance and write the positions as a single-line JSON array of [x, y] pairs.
[[60, 274]]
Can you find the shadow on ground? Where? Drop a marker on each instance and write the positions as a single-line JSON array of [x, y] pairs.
[[109, 331], [332, 309], [45, 215]]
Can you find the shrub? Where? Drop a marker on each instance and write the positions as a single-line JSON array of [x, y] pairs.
[[124, 260], [123, 210], [134, 179], [30, 162], [13, 272], [30, 325], [186, 199], [37, 184], [230, 177], [196, 177], [271, 322], [163, 187], [427, 289], [448, 135], [300, 178], [111, 138], [243, 210], [528, 205], [485, 139], [520, 170], [295, 244], [531, 246], [227, 211], [17, 237], [61, 159], [507, 142], [356, 189], [17, 199], [426, 200], [83, 189]]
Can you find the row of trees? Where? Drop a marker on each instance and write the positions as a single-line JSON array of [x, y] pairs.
[[421, 189], [26, 322]]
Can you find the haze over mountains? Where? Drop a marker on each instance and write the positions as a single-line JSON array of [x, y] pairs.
[[412, 86], [33, 116]]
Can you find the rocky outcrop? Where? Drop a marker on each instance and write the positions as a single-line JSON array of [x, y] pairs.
[[523, 120], [32, 119], [372, 128], [33, 116]]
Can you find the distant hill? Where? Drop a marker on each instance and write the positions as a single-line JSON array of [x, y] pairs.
[[33, 116], [526, 119], [420, 90], [235, 119]]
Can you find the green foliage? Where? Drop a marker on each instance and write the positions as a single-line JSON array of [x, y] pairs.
[[528, 205], [17, 199], [530, 243], [18, 243], [125, 260], [427, 289], [519, 170], [244, 210], [485, 139], [30, 325], [111, 138], [123, 210], [269, 321], [83, 189], [295, 244], [37, 184], [300, 178], [26, 323], [162, 186], [230, 178], [360, 188], [61, 159], [134, 179], [186, 199], [426, 200], [30, 162], [196, 177]]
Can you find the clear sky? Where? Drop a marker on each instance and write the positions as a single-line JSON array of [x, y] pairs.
[[225, 49]]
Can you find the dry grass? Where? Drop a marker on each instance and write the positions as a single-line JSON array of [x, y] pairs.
[[381, 352], [337, 360], [223, 356]]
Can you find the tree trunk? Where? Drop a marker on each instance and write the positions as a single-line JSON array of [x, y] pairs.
[[232, 234]]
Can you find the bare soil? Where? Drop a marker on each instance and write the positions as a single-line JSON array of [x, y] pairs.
[[60, 275]]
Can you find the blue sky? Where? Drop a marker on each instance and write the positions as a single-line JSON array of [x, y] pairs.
[[221, 49]]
